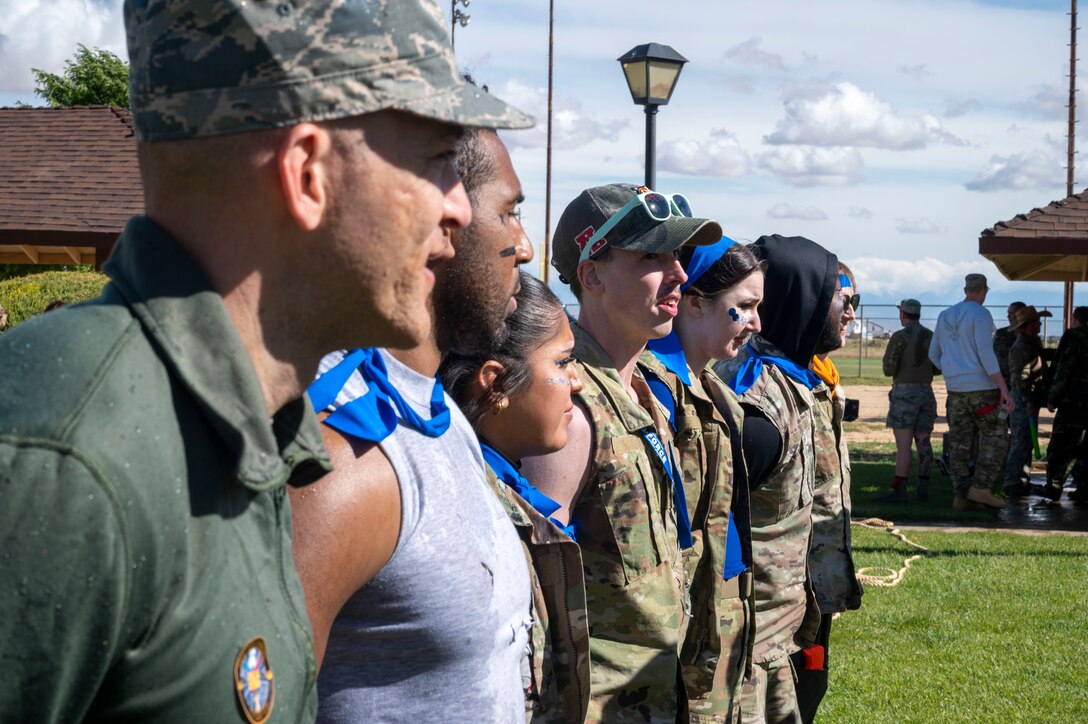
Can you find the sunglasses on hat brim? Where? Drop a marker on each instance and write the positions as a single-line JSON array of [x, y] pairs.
[[658, 206]]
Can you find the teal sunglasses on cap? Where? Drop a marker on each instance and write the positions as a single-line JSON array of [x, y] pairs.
[[659, 207]]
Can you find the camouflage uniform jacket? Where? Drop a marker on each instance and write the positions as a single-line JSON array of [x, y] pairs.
[[1070, 385], [634, 576], [787, 615], [906, 358], [831, 558], [557, 685], [708, 443], [1003, 341], [1025, 366]]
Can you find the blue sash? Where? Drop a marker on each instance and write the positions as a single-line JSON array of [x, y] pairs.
[[374, 416], [683, 521], [509, 474]]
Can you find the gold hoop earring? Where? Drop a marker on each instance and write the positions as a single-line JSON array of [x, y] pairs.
[[499, 406]]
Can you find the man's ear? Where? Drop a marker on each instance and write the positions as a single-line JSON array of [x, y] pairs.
[[486, 381], [303, 161], [588, 277]]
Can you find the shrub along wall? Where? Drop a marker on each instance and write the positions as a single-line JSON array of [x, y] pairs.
[[27, 296]]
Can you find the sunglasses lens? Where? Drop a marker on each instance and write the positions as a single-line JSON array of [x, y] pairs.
[[682, 205], [855, 301], [658, 206]]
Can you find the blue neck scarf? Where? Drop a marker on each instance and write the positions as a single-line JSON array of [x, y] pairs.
[[374, 416], [509, 474], [668, 350], [749, 370]]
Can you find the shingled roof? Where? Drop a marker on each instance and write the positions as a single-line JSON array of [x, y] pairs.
[[1047, 244], [68, 182]]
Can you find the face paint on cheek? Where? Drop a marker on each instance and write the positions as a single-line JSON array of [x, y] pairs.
[[738, 317], [557, 381]]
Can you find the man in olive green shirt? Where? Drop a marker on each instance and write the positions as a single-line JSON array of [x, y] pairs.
[[298, 178]]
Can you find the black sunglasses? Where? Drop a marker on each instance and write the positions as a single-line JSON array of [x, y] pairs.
[[853, 300]]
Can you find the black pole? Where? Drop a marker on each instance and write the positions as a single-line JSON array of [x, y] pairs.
[[651, 144]]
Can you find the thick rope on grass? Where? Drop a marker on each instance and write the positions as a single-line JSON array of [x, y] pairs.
[[880, 576]]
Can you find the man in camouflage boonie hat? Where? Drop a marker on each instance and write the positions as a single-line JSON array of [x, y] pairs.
[[297, 166], [912, 407], [615, 472]]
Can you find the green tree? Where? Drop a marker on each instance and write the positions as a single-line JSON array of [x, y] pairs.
[[91, 77]]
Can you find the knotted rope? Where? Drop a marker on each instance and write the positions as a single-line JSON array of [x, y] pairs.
[[881, 576]]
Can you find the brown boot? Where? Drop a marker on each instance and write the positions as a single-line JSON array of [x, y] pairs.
[[984, 496], [960, 504]]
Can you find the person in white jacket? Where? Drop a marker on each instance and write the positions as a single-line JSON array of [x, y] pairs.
[[978, 398]]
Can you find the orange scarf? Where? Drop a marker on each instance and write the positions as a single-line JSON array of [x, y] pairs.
[[827, 372]]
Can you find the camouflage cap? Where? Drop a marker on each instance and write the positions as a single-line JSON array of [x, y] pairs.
[[637, 231], [975, 282], [910, 306], [210, 67]]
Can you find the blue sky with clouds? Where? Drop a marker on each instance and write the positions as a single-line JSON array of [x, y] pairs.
[[890, 132]]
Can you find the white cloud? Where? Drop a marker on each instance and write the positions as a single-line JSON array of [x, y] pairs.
[[749, 53], [915, 71], [44, 33], [814, 166], [571, 129], [917, 226], [1019, 171], [720, 156], [860, 212], [962, 108], [1048, 101], [845, 115], [736, 83], [918, 278], [782, 210]]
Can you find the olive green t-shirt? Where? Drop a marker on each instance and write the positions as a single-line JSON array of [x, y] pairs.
[[145, 532]]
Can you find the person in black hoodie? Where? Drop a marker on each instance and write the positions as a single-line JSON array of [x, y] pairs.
[[801, 311]]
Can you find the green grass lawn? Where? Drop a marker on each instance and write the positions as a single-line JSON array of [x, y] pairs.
[[992, 628], [869, 372]]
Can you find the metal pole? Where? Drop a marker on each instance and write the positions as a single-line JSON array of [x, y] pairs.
[[651, 145], [861, 336], [453, 25], [1067, 302], [546, 250]]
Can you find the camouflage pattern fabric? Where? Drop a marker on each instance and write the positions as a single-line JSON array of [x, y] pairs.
[[770, 696], [716, 642], [906, 358], [1003, 341], [1018, 459], [787, 615], [557, 683], [911, 406], [1025, 365], [633, 569], [963, 426], [831, 556], [210, 67], [1069, 393]]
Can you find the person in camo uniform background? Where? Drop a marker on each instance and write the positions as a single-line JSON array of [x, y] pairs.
[[1026, 370], [1069, 396], [962, 348], [912, 407]]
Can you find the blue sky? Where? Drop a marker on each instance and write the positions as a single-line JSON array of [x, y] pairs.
[[890, 132]]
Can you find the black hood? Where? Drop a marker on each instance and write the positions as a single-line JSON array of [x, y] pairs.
[[798, 291]]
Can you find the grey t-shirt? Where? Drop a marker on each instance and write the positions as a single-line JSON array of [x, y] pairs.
[[441, 632]]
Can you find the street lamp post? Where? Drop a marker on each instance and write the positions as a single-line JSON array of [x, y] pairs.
[[457, 17], [651, 71]]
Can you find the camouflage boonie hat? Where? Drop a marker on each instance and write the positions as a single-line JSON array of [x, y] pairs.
[[637, 231], [210, 67], [910, 306]]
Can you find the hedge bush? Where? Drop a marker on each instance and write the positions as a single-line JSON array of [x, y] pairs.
[[27, 296]]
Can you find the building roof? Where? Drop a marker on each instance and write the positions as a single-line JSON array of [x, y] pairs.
[[69, 181], [1047, 244]]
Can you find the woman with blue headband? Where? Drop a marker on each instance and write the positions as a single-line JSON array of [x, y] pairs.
[[717, 313]]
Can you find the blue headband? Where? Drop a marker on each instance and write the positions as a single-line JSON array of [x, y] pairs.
[[844, 281], [704, 258]]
